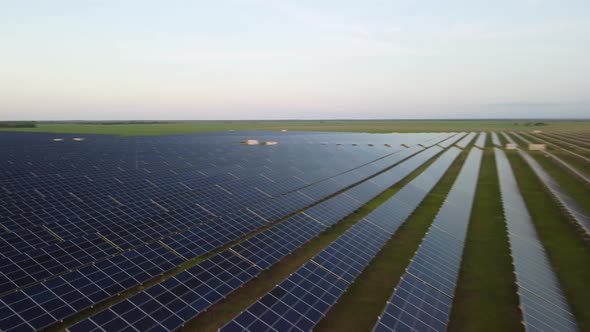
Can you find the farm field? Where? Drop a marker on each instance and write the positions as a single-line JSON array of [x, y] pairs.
[[369, 126], [339, 226]]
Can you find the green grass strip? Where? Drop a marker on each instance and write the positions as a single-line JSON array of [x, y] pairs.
[[359, 307], [568, 253], [371, 126], [485, 299]]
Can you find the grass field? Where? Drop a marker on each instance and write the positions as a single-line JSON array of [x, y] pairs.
[[370, 126]]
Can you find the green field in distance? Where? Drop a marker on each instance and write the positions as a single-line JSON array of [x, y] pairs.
[[370, 126]]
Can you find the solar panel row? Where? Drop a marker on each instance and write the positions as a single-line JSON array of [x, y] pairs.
[[543, 305], [508, 138], [59, 206], [572, 207], [261, 251], [466, 140], [73, 207], [18, 270], [496, 139], [564, 140], [423, 298], [208, 237], [452, 140], [480, 142], [301, 301], [522, 138]]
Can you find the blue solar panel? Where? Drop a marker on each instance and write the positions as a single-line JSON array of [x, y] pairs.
[[543, 304], [293, 232], [466, 140], [577, 213], [341, 263], [480, 142], [496, 139], [423, 298], [67, 205]]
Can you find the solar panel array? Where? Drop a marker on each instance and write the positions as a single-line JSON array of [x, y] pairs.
[[543, 305], [581, 175], [561, 148], [255, 254], [82, 221], [495, 139], [466, 140], [480, 142], [575, 211], [508, 138], [563, 140], [423, 298], [521, 137], [571, 139], [301, 301], [452, 140]]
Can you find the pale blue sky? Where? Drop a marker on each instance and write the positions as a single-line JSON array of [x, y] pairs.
[[264, 59]]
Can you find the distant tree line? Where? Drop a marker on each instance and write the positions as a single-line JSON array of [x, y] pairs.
[[122, 122], [17, 124], [530, 124]]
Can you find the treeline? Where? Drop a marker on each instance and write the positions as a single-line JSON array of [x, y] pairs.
[[530, 124], [17, 124], [107, 123]]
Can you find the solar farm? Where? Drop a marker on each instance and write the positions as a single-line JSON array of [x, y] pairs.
[[323, 231]]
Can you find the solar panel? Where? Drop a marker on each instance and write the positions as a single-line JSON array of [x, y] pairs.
[[480, 142], [452, 140], [423, 298], [576, 212], [543, 305], [136, 207], [341, 262], [265, 249], [466, 140], [508, 138]]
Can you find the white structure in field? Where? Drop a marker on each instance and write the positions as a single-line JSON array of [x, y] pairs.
[[271, 143], [58, 139], [284, 130], [537, 131], [511, 146], [252, 142], [78, 138], [537, 147]]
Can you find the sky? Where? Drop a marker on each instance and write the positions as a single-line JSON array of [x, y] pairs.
[[293, 59]]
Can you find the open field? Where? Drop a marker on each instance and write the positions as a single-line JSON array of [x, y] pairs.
[[369, 126], [168, 233]]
